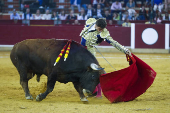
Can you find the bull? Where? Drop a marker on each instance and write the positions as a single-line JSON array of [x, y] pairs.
[[37, 56]]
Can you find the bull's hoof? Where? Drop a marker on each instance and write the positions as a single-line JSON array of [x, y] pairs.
[[39, 98], [84, 99], [29, 97]]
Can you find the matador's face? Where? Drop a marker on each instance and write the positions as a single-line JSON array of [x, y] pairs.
[[99, 29]]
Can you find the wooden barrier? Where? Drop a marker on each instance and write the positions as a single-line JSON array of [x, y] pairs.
[[138, 36], [11, 34]]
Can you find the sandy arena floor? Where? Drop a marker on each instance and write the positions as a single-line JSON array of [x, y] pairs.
[[65, 99]]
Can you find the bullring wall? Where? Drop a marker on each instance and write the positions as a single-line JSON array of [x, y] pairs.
[[129, 37]]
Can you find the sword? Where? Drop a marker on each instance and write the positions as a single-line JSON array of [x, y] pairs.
[[104, 58]]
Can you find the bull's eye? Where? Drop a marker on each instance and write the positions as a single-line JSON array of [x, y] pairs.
[[93, 77]]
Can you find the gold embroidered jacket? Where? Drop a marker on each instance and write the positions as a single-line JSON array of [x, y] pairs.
[[90, 35]]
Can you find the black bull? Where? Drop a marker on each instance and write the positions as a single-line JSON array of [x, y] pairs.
[[37, 56]]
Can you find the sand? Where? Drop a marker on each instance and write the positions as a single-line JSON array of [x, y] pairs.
[[65, 99]]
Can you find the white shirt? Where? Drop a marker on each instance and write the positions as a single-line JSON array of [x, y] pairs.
[[22, 6], [28, 17], [62, 17], [89, 12], [75, 2], [79, 17], [95, 2], [116, 6], [16, 16], [99, 13], [46, 17], [164, 17], [159, 20], [37, 17]]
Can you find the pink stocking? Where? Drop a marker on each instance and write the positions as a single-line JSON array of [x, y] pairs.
[[99, 92], [96, 89]]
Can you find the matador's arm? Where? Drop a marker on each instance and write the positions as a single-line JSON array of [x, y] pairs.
[[116, 44], [106, 36]]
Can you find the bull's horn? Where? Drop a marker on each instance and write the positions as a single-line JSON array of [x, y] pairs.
[[95, 66]]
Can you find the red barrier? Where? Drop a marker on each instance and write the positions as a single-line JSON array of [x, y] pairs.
[[10, 34]]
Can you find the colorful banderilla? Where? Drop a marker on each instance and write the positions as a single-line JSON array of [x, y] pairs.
[[62, 51], [67, 51]]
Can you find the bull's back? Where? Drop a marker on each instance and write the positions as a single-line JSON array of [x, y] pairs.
[[38, 50], [40, 47]]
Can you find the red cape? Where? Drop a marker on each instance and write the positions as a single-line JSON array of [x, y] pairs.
[[128, 83]]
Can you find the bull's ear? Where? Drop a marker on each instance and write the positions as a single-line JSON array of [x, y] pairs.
[[95, 67]]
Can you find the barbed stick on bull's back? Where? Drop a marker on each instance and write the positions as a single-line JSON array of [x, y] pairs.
[[60, 55], [67, 51]]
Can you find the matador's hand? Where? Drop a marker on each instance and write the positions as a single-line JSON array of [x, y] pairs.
[[128, 52]]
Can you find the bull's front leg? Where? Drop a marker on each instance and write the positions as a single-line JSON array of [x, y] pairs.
[[79, 89], [50, 86]]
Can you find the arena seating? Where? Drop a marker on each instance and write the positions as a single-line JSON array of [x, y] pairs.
[[59, 6]]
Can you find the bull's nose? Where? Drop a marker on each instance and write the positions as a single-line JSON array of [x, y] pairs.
[[87, 92]]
